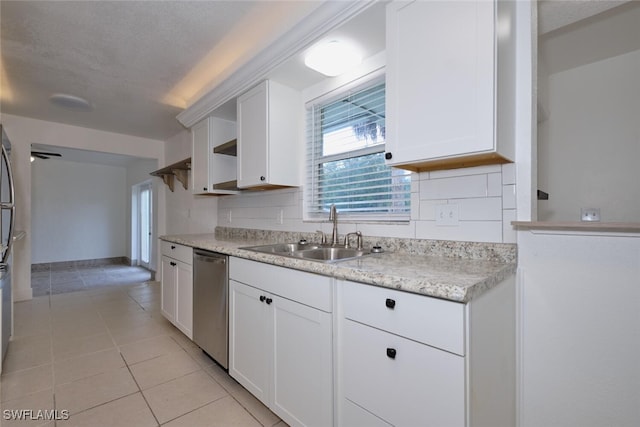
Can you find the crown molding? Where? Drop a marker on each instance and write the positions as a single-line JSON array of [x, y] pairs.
[[325, 18]]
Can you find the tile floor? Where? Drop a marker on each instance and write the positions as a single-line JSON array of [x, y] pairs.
[[59, 278], [107, 356]]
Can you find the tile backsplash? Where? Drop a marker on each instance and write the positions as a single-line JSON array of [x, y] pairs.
[[484, 195]]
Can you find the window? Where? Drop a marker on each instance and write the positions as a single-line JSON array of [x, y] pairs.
[[346, 159]]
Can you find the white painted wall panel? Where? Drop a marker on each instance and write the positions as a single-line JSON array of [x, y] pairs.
[[580, 334], [79, 211], [589, 146]]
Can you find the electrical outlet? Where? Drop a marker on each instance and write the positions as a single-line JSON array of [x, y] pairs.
[[590, 214], [229, 216], [447, 214], [280, 217]]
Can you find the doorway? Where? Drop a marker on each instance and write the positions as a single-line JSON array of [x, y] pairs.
[[142, 223]]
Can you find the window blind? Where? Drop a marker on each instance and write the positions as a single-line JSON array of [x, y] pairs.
[[345, 160]]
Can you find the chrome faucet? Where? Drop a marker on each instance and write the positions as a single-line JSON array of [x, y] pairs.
[[333, 216]]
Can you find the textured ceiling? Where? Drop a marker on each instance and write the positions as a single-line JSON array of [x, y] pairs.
[[610, 33], [554, 14], [139, 62]]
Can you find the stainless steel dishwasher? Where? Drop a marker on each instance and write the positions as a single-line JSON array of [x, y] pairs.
[[210, 304]]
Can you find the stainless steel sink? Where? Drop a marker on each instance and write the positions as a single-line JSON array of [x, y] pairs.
[[282, 248], [311, 252], [331, 254]]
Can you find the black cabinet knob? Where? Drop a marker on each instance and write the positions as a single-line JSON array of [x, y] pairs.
[[269, 300], [388, 156], [262, 178], [204, 188], [391, 353], [173, 264], [390, 303], [262, 298], [173, 247]]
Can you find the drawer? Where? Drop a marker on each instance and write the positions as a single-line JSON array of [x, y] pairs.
[[428, 320], [355, 416], [418, 386], [310, 289], [178, 252]]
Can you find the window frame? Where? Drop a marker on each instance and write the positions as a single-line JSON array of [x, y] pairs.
[[314, 161]]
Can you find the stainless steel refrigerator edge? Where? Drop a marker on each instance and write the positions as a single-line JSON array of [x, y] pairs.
[[210, 304], [7, 221]]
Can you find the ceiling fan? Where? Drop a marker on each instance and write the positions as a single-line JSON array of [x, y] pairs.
[[44, 155]]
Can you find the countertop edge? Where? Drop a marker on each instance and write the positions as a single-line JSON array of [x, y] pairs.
[[621, 227]]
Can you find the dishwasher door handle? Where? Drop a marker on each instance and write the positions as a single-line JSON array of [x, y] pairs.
[[213, 260]]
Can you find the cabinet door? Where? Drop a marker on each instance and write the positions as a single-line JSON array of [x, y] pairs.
[[201, 151], [184, 298], [303, 371], [440, 79], [168, 295], [253, 130], [250, 343], [401, 381]]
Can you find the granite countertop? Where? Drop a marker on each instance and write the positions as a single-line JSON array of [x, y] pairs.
[[450, 278]]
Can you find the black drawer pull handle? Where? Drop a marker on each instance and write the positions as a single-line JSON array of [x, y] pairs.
[[390, 303], [269, 300], [173, 264], [262, 298], [391, 353]]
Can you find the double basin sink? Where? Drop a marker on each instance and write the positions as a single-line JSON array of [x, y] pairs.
[[311, 251]]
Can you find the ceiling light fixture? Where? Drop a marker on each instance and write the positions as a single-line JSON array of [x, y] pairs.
[[333, 57], [70, 102]]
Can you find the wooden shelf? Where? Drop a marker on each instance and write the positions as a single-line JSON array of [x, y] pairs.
[[228, 148], [179, 170], [228, 185]]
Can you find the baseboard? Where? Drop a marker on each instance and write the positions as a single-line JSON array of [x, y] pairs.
[[96, 262]]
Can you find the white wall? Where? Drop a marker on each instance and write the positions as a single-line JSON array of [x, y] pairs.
[[185, 212], [580, 329], [79, 211], [23, 132], [589, 146]]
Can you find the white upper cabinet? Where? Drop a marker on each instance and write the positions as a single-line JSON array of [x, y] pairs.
[[213, 172], [450, 94], [269, 137]]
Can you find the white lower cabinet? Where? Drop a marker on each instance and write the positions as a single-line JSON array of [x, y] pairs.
[[382, 357], [401, 381], [280, 340], [411, 360], [177, 286]]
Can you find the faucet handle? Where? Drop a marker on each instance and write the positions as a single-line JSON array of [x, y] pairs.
[[323, 238], [346, 239]]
